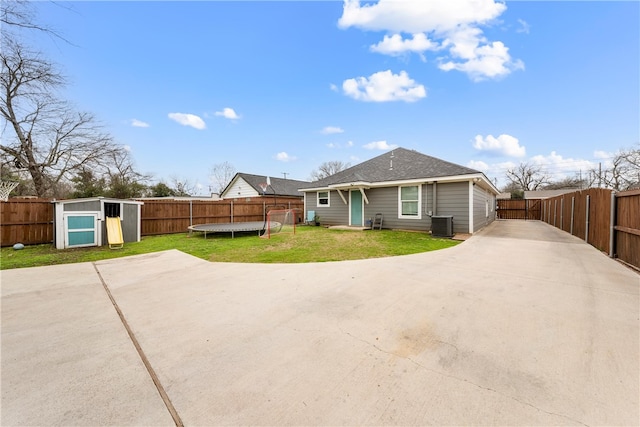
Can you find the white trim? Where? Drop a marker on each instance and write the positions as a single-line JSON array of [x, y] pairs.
[[139, 234], [59, 226], [419, 213], [471, 207], [97, 230], [328, 205], [342, 197], [479, 178], [364, 197], [93, 199]]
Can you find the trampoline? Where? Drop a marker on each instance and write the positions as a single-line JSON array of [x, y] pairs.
[[232, 227]]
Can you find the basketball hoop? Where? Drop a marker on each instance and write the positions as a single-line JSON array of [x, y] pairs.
[[5, 189], [264, 186]]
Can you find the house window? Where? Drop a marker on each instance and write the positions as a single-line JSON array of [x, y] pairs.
[[323, 198], [409, 200]]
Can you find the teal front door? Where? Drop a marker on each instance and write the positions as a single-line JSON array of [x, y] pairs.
[[356, 207]]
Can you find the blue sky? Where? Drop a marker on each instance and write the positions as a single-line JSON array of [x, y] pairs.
[[281, 87]]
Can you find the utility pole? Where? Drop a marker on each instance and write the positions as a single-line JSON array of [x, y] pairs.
[[285, 174], [600, 175]]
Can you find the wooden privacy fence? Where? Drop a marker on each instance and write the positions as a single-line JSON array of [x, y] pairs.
[[529, 209], [30, 221], [27, 221], [607, 220], [174, 216]]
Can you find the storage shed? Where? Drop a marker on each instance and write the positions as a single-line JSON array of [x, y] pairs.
[[81, 222]]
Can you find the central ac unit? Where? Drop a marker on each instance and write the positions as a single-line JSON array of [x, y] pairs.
[[442, 226]]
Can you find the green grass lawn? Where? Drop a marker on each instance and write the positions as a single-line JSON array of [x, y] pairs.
[[309, 244]]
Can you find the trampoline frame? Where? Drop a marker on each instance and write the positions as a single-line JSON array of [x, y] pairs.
[[231, 227]]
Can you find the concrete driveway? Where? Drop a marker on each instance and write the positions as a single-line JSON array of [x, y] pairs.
[[521, 324]]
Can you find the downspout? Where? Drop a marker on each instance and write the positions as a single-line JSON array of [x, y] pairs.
[[435, 198], [471, 184]]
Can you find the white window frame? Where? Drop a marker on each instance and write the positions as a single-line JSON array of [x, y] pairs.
[[419, 214], [328, 199]]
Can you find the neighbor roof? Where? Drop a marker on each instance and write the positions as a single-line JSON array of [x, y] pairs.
[[399, 164], [279, 186]]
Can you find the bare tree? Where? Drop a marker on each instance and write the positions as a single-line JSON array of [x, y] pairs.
[[327, 169], [527, 177], [623, 173], [50, 141], [124, 181], [182, 187], [221, 174]]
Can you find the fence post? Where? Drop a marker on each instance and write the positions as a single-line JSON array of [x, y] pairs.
[[573, 205], [612, 225], [190, 212], [586, 232], [231, 210], [555, 211], [562, 213]]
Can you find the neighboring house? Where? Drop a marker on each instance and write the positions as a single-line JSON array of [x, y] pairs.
[[545, 194], [407, 188], [247, 186]]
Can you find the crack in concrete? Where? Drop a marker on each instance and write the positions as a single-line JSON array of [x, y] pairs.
[[458, 378]]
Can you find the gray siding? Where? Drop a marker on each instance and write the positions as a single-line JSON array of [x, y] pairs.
[[337, 213], [130, 223], [453, 199], [88, 206], [481, 198], [385, 201]]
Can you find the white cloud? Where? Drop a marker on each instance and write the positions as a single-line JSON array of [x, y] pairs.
[[560, 167], [453, 24], [600, 154], [380, 145], [384, 86], [188, 120], [395, 45], [478, 165], [349, 143], [524, 27], [139, 124], [479, 61], [328, 130], [227, 113], [505, 145], [333, 87], [284, 157]]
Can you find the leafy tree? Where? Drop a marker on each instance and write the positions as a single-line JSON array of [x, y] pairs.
[[86, 184], [161, 190], [327, 169]]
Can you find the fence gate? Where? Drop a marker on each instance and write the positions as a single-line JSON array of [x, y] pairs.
[[530, 209]]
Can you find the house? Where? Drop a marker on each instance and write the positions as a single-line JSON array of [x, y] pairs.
[[247, 186], [408, 188]]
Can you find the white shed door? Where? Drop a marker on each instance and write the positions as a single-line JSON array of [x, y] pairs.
[[80, 229]]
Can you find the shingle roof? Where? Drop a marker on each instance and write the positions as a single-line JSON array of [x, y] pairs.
[[399, 164], [279, 186]]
